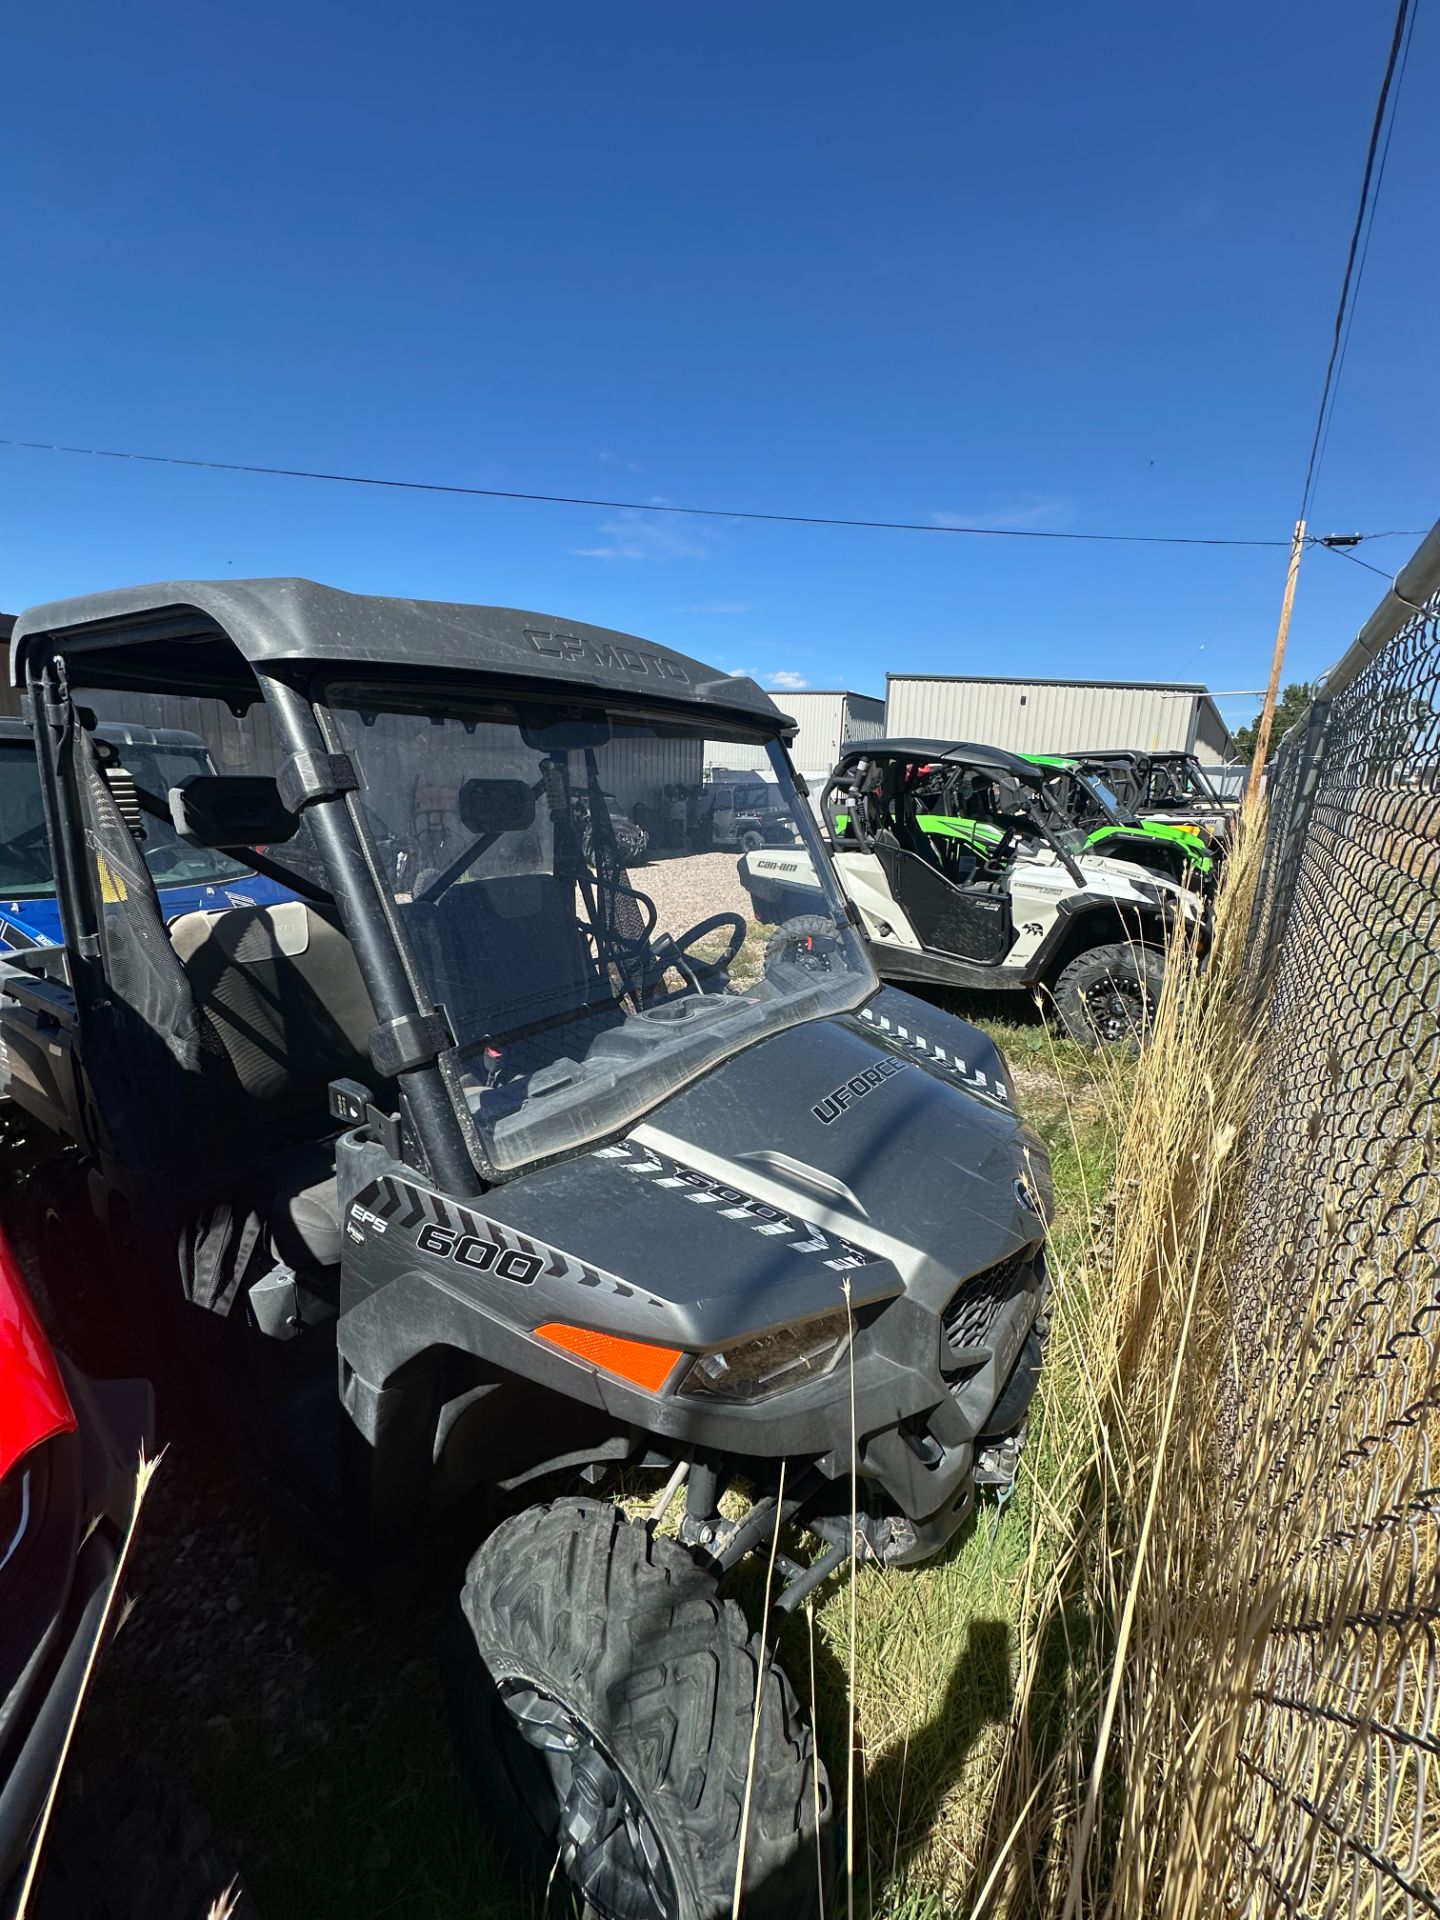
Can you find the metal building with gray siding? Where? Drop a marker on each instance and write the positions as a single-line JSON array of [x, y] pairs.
[[1058, 716], [9, 696], [825, 719]]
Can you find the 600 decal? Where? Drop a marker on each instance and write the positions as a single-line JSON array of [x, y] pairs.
[[480, 1256]]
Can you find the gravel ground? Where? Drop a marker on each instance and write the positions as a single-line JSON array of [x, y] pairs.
[[689, 887]]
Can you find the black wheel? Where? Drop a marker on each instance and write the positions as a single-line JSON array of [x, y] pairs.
[[604, 1696], [751, 840], [809, 942], [1107, 996]]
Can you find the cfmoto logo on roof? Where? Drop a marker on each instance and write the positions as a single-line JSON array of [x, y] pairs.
[[604, 653]]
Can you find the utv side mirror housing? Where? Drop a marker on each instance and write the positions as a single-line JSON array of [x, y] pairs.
[[496, 806], [230, 810]]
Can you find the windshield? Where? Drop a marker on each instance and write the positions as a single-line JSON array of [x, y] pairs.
[[581, 990], [25, 871], [1105, 797]]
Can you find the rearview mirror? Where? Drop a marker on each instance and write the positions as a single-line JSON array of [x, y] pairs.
[[549, 731], [496, 806]]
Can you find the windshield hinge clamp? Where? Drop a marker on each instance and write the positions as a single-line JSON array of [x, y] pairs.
[[409, 1041], [306, 777]]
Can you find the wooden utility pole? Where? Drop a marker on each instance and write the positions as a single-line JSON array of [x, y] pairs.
[[1267, 712]]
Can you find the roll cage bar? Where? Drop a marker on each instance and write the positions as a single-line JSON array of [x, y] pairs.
[[1141, 768], [960, 757]]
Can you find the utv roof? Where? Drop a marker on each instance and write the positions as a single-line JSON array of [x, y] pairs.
[[176, 631], [1134, 753], [954, 752]]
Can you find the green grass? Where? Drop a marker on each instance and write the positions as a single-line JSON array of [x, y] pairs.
[[936, 1645]]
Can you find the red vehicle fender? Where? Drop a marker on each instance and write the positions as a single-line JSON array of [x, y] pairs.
[[34, 1405]]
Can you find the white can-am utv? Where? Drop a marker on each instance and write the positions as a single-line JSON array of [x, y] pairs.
[[961, 875]]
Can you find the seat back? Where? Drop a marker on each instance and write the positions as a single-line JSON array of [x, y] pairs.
[[502, 953], [281, 989]]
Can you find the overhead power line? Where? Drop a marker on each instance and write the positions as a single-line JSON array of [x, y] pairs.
[[1340, 333], [642, 506], [1364, 215]]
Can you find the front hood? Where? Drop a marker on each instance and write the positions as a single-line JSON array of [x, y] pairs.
[[1125, 875], [878, 1149]]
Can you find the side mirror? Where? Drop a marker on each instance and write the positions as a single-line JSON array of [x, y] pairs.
[[230, 810]]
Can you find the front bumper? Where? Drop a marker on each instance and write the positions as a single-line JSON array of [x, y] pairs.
[[924, 1464]]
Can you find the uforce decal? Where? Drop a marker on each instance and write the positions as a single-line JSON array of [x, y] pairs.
[[604, 653], [841, 1098]]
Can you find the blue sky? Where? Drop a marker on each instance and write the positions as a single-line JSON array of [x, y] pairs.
[[1044, 265]]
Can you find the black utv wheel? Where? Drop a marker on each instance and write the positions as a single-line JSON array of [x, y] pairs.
[[605, 1694], [1107, 996]]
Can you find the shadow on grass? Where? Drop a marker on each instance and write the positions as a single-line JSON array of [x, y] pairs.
[[908, 1783], [1057, 1717]]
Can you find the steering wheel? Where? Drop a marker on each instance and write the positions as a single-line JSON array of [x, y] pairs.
[[698, 932], [797, 942]]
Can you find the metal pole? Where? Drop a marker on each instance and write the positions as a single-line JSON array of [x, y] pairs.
[[1277, 661]]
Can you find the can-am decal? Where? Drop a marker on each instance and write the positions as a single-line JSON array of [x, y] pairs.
[[840, 1099], [734, 1205], [937, 1056]]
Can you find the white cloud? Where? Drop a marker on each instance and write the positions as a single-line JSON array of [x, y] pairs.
[[1032, 512], [786, 680], [635, 534]]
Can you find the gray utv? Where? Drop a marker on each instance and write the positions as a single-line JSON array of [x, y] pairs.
[[467, 1170]]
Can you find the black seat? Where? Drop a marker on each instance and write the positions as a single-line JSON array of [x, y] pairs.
[[281, 990], [501, 954], [304, 1205]]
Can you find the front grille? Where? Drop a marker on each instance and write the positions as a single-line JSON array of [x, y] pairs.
[[966, 1322]]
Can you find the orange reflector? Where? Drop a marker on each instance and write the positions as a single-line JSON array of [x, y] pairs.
[[633, 1360]]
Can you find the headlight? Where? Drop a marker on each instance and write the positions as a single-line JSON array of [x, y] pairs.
[[771, 1362]]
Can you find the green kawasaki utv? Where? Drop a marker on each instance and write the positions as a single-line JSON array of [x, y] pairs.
[[1082, 798], [1171, 789], [467, 1166]]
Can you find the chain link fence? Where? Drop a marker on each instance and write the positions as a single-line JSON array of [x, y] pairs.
[[1337, 1354]]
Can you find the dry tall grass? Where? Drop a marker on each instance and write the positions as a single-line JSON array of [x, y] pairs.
[[1228, 1682]]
